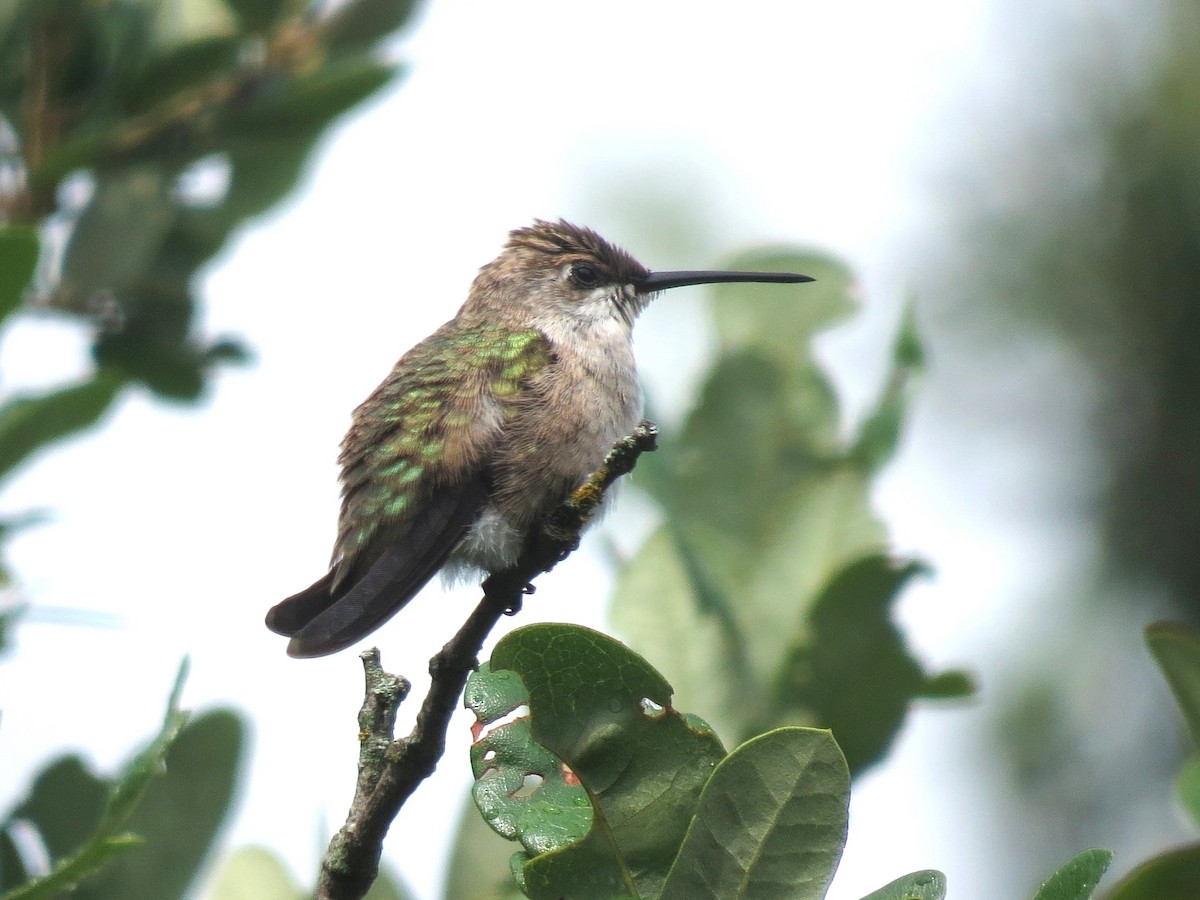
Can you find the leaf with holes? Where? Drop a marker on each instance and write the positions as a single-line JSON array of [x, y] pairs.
[[522, 790], [603, 716]]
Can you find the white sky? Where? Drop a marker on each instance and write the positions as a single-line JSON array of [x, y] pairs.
[[805, 122]]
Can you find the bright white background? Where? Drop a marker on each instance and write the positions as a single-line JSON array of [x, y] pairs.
[[805, 122]]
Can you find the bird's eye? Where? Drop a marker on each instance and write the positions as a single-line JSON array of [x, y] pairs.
[[585, 275]]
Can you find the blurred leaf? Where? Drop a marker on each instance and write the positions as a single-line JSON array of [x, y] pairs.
[[228, 350], [173, 371], [779, 321], [19, 250], [64, 804], [257, 16], [1187, 788], [880, 432], [191, 20], [1077, 878], [607, 715], [8, 619], [771, 821], [68, 791], [358, 25], [1176, 648], [27, 424], [763, 502], [182, 66], [927, 885], [756, 439], [83, 149], [118, 233], [95, 854], [478, 868], [851, 671], [264, 171], [257, 873], [388, 886], [953, 684], [296, 107], [254, 873], [135, 778], [656, 604], [1169, 876], [180, 813]]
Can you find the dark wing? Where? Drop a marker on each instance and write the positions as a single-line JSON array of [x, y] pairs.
[[323, 620], [414, 479]]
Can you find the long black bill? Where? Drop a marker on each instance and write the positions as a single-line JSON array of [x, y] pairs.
[[660, 281]]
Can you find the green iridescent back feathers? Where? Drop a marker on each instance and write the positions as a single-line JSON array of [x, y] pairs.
[[422, 430]]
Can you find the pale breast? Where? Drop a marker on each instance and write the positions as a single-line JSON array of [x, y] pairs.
[[586, 400]]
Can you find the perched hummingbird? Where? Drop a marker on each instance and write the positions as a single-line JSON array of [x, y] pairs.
[[484, 427]]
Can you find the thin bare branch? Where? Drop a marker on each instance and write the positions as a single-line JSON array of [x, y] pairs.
[[390, 769]]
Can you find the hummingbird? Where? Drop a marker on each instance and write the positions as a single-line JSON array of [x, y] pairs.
[[484, 427]]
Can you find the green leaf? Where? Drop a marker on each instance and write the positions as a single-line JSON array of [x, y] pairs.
[[556, 811], [1169, 876], [257, 873], [19, 250], [27, 424], [927, 885], [1077, 878], [256, 16], [607, 715], [64, 804], [254, 873], [69, 790], [1176, 648], [358, 25], [83, 149], [779, 322], [264, 170], [388, 885], [953, 684], [760, 513], [763, 501], [135, 778], [657, 604], [771, 822], [1187, 788], [118, 233], [181, 67], [95, 854], [880, 432], [479, 866], [180, 812], [851, 671], [300, 106]]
